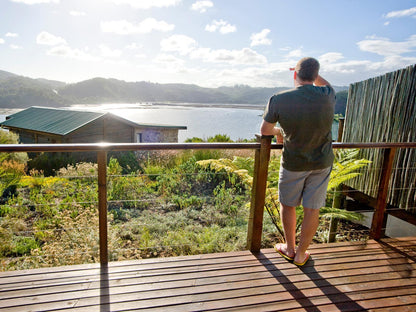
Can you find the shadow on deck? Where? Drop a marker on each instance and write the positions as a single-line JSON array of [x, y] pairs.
[[358, 276]]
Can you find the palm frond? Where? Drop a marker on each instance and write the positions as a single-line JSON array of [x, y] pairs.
[[329, 212]]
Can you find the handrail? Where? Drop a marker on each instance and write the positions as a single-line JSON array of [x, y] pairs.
[[74, 147], [78, 147], [262, 156]]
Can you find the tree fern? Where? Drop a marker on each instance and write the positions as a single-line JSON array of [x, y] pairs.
[[345, 167]]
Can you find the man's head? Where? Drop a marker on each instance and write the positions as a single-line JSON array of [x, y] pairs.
[[307, 69]]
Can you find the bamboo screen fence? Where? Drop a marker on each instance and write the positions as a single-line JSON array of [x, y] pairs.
[[383, 109]]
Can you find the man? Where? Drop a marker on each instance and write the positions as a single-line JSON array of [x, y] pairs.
[[305, 115]]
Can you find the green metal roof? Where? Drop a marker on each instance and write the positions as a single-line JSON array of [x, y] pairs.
[[61, 121], [50, 120]]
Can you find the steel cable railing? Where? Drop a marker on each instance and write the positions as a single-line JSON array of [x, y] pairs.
[[103, 148]]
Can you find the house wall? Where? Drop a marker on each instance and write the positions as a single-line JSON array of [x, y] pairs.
[[27, 137], [156, 135], [103, 130]]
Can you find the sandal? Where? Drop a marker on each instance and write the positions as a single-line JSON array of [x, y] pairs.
[[278, 248], [308, 256]]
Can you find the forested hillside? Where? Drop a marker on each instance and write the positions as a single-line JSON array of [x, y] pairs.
[[21, 92]]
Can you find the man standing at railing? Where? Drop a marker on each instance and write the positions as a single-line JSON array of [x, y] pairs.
[[305, 115]]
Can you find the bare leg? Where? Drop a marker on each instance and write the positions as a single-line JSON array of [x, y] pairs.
[[308, 230], [288, 216]]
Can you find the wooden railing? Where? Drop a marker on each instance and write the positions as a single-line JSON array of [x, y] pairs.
[[262, 156]]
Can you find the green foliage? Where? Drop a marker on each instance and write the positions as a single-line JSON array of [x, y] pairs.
[[194, 140], [127, 161], [346, 167], [7, 137], [341, 102], [12, 167], [179, 205], [231, 168], [49, 163], [227, 200], [219, 138], [114, 167]]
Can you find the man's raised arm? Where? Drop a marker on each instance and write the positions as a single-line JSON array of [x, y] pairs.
[[320, 82]]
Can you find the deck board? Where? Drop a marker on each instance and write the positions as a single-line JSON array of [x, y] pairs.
[[358, 276]]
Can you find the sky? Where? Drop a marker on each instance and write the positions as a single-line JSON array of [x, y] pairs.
[[209, 43]]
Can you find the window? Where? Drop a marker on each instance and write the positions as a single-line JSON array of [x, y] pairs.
[[139, 137]]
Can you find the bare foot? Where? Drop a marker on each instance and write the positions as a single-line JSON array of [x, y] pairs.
[[284, 252], [300, 260]]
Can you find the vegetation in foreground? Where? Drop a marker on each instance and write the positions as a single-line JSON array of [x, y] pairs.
[[177, 203]]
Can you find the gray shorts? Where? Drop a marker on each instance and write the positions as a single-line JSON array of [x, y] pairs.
[[306, 187]]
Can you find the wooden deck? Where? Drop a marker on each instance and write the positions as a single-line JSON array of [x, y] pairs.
[[371, 276]]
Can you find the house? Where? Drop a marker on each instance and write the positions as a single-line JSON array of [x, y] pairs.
[[51, 125]]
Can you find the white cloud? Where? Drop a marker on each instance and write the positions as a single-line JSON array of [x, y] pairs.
[[147, 4], [77, 13], [202, 6], [169, 59], [46, 38], [178, 43], [386, 47], [68, 52], [185, 45], [30, 2], [402, 13], [134, 46], [222, 26], [261, 38], [330, 57], [297, 53], [12, 35], [123, 27], [15, 47], [243, 56], [262, 75], [106, 52], [2, 41]]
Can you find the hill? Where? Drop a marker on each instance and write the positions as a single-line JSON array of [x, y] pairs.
[[5, 75], [21, 92]]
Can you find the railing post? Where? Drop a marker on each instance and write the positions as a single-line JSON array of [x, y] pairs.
[[378, 223], [102, 205], [258, 194]]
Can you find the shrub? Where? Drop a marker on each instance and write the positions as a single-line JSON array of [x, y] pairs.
[[49, 163], [128, 161], [7, 137]]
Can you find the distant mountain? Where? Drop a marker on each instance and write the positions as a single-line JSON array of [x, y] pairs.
[[52, 83], [5, 75], [21, 92]]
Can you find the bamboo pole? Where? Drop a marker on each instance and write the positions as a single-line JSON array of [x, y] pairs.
[[258, 194], [383, 109]]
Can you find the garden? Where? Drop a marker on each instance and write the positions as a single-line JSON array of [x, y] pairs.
[[160, 204]]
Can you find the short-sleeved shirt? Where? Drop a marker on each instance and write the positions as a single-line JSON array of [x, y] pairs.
[[305, 114]]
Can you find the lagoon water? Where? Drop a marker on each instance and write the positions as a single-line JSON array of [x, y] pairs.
[[202, 121]]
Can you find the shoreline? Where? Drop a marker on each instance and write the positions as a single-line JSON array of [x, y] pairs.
[[144, 105]]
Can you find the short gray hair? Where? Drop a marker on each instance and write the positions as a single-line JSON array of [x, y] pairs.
[[307, 69]]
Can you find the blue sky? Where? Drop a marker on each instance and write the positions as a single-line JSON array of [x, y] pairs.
[[209, 43]]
